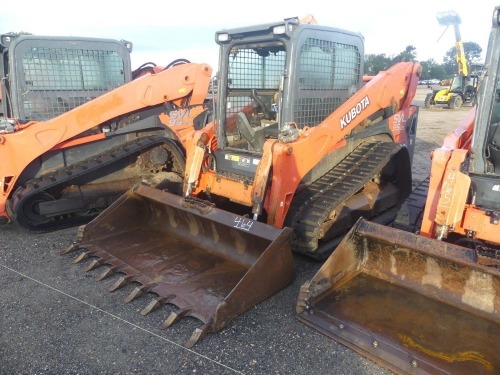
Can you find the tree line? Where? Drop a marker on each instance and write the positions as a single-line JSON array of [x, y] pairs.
[[431, 69]]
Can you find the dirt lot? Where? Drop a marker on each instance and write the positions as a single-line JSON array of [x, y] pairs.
[[56, 319], [433, 125]]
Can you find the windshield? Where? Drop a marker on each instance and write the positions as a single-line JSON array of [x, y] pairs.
[[493, 138], [462, 83], [55, 80], [254, 77]]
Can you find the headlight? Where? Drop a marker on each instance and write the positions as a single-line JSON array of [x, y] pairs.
[[223, 37], [279, 30]]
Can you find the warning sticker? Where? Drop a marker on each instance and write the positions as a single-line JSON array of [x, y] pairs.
[[232, 157]]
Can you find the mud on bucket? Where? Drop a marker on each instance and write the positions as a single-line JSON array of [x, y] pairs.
[[413, 304]]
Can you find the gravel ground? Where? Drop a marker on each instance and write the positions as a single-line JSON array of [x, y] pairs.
[[56, 319]]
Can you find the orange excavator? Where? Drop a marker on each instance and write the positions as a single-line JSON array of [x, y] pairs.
[[424, 297], [79, 128], [299, 148]]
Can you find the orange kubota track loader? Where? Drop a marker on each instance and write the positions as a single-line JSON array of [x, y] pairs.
[[299, 149], [79, 128], [427, 302]]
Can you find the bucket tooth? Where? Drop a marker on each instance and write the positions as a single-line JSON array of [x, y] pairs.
[[71, 248], [96, 263], [197, 335], [173, 318], [154, 305], [136, 293], [107, 272], [121, 282], [82, 257]]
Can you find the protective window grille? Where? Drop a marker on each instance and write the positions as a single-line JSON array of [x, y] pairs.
[[251, 69], [59, 79], [259, 69], [327, 72]]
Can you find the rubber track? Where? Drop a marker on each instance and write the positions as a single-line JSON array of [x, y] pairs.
[[61, 176], [311, 207], [409, 217]]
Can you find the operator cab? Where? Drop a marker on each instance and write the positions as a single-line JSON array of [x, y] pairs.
[[43, 77], [484, 168], [466, 86], [276, 79], [493, 137]]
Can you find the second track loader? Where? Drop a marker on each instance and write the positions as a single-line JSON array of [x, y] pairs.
[[78, 128], [299, 149], [424, 297]]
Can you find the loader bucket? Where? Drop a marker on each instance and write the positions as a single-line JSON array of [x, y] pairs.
[[212, 265], [413, 304]]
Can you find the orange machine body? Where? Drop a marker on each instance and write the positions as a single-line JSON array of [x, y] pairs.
[[447, 208], [83, 124], [290, 162]]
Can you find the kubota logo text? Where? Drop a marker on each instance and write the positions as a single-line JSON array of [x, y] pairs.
[[356, 110]]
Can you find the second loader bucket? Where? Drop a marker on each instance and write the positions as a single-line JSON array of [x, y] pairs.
[[413, 304], [211, 264]]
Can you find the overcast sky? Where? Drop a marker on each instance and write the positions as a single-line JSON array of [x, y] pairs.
[[163, 31]]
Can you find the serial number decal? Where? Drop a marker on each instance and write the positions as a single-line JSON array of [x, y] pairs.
[[177, 117], [399, 122], [354, 112], [242, 223]]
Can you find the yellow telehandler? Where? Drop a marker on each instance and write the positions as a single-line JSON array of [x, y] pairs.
[[462, 88]]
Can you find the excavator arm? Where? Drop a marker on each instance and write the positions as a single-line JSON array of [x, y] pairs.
[[23, 143]]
